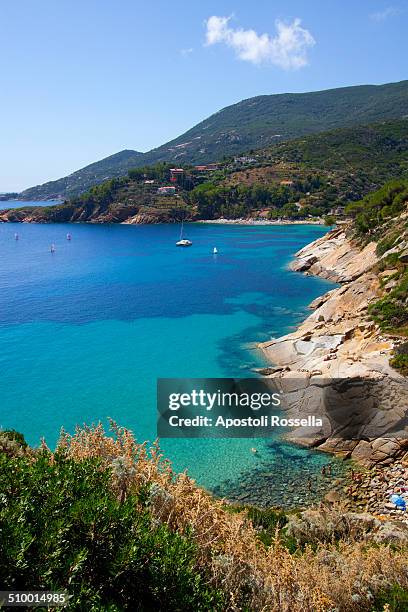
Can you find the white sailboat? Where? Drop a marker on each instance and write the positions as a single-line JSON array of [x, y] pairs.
[[183, 242]]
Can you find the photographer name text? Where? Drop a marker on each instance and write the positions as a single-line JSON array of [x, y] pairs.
[[264, 421]]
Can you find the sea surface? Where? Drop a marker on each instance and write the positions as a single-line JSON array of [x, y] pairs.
[[86, 331]]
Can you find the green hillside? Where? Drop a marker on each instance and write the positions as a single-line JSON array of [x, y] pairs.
[[311, 176], [251, 124], [80, 181]]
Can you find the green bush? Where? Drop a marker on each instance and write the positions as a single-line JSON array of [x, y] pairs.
[[386, 244], [391, 312], [400, 359], [395, 597], [329, 220], [371, 212], [391, 261], [62, 528], [400, 362], [12, 434], [268, 522]]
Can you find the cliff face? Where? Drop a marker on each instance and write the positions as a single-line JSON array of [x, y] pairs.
[[115, 213], [337, 362]]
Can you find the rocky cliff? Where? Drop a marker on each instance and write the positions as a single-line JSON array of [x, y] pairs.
[[337, 364], [118, 212]]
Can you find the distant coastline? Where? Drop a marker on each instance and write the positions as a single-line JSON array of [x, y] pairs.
[[15, 203]]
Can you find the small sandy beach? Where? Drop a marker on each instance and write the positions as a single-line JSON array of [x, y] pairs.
[[223, 221]]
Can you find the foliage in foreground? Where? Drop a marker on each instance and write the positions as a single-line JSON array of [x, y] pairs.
[[63, 528], [107, 519]]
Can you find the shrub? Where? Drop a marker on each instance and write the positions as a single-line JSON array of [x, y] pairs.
[[12, 434], [268, 522], [63, 528], [400, 362], [400, 359], [391, 312], [329, 220], [370, 213], [387, 243], [118, 524], [394, 599], [12, 443]]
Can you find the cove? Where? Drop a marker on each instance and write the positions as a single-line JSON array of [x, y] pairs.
[[86, 331]]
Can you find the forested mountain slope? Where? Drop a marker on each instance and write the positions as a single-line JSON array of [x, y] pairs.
[[250, 124]]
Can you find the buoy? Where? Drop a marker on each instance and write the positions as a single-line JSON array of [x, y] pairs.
[[16, 236], [215, 250]]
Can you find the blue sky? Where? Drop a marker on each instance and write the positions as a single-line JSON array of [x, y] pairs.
[[82, 79]]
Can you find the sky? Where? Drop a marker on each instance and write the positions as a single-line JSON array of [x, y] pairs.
[[83, 79]]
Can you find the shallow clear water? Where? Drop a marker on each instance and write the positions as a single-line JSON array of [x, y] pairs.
[[86, 331]]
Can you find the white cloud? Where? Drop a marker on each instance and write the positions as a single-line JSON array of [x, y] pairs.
[[287, 49], [390, 11], [185, 52]]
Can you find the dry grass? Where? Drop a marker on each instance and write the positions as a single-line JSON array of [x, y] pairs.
[[343, 576]]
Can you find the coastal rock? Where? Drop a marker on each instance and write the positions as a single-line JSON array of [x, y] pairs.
[[325, 525], [338, 446], [404, 256], [380, 450], [321, 300], [303, 264], [392, 532], [362, 453], [332, 497], [343, 262], [148, 215], [365, 413]]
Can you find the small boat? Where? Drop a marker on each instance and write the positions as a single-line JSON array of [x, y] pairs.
[[52, 248], [215, 250], [16, 236], [69, 236], [183, 242]]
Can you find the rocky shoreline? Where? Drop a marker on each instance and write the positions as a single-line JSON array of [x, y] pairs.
[[339, 342]]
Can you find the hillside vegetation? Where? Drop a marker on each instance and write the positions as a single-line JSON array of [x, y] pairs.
[[107, 520], [383, 217], [250, 124], [310, 177]]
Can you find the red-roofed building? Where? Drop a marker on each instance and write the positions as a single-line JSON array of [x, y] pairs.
[[206, 168], [168, 190]]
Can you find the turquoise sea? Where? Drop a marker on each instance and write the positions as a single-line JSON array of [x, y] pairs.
[[86, 331]]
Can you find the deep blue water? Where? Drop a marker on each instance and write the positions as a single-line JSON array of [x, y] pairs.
[[86, 331]]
